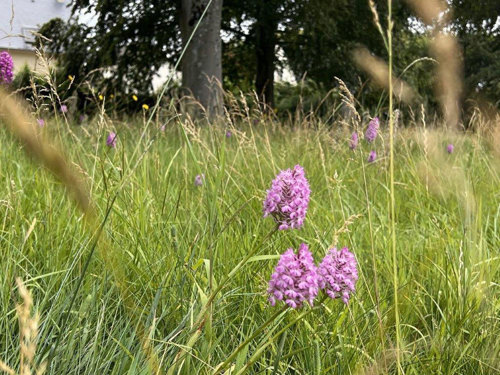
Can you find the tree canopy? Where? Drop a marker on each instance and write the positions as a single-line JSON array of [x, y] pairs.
[[131, 40]]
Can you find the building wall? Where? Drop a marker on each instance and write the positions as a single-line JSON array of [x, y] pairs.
[[21, 58], [19, 17]]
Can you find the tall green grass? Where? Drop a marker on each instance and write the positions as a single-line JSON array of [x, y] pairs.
[[170, 244]]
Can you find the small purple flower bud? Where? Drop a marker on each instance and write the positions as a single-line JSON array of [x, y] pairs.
[[198, 180], [64, 108], [163, 127], [6, 68], [371, 131], [41, 122], [228, 134], [295, 279], [354, 141], [338, 274], [288, 198], [372, 156], [111, 140], [450, 148]]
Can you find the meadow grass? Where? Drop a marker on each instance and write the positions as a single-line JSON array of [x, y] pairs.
[[128, 301]]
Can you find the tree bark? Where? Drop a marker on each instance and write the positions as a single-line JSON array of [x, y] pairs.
[[265, 43], [202, 61]]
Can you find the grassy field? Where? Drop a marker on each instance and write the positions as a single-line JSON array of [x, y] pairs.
[[137, 298]]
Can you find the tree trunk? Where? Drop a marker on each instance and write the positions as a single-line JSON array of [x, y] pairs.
[[265, 34], [202, 61]]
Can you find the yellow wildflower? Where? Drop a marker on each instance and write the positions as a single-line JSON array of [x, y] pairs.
[[145, 106], [101, 97], [134, 97], [71, 78]]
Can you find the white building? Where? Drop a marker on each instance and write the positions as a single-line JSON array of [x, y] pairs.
[[18, 18]]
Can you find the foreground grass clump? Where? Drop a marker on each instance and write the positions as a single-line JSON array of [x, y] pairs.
[[184, 207]]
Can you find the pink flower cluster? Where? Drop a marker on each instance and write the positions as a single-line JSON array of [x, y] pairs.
[[297, 279], [198, 180], [371, 131], [6, 68], [354, 141], [338, 274], [288, 198], [372, 156], [111, 140]]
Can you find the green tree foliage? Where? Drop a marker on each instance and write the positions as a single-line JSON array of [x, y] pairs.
[[254, 31], [125, 48], [132, 39], [326, 33], [477, 26], [316, 36]]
